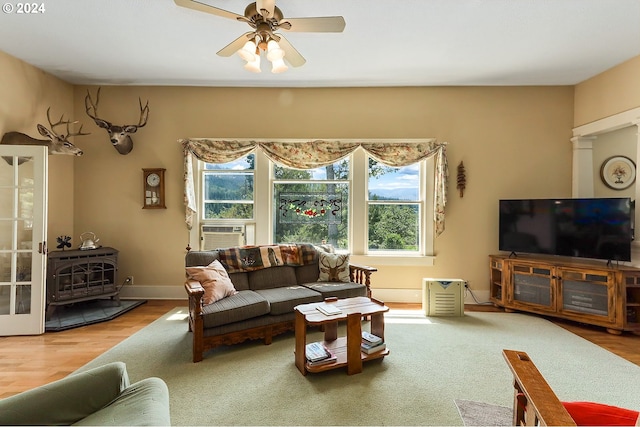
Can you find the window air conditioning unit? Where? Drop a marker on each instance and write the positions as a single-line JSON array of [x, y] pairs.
[[215, 237], [443, 297]]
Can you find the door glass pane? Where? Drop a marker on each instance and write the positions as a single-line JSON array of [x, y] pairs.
[[25, 234], [6, 173], [23, 268], [25, 203], [5, 299], [23, 299], [25, 171], [5, 267], [6, 207], [6, 233]]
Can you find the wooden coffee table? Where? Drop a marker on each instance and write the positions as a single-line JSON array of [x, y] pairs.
[[346, 349]]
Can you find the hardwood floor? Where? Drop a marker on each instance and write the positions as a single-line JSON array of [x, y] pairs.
[[30, 361]]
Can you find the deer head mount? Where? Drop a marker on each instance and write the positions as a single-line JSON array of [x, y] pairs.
[[120, 136], [56, 143]]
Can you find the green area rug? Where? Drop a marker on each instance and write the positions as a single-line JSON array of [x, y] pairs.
[[432, 363], [88, 312]]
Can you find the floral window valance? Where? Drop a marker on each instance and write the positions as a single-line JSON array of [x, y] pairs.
[[313, 154]]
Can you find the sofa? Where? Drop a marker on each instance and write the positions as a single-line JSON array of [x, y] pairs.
[[256, 288], [100, 396]]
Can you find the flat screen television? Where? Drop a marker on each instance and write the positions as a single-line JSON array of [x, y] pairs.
[[599, 228]]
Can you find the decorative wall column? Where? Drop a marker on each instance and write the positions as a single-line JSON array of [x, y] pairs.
[[582, 180]]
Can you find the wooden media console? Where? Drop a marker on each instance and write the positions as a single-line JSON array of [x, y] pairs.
[[583, 291]]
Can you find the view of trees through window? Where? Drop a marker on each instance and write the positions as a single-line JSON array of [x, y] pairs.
[[394, 207], [313, 205], [228, 189]]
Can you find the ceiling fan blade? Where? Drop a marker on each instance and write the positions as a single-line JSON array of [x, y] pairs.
[[203, 7], [324, 24], [235, 45], [268, 5], [291, 55]]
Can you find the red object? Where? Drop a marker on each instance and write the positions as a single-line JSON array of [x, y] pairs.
[[598, 414]]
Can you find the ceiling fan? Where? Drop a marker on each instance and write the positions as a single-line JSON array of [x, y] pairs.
[[266, 18]]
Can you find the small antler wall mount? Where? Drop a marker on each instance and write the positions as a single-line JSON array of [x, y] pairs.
[[120, 136]]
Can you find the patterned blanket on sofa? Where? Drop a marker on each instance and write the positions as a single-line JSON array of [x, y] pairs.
[[249, 258]]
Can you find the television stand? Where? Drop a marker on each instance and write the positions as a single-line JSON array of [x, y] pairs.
[[583, 291]]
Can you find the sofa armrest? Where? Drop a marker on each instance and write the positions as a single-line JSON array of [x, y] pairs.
[[362, 274], [195, 292], [534, 401], [68, 400]]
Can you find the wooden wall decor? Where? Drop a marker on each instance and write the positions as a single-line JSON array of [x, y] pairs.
[[462, 179]]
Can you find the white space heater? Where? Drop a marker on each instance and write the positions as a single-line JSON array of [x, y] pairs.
[[443, 297]]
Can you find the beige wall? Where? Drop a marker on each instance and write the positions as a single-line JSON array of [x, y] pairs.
[[25, 94], [612, 92], [514, 142]]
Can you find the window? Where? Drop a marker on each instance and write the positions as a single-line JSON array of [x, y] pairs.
[[228, 189], [356, 204], [312, 205], [394, 207]]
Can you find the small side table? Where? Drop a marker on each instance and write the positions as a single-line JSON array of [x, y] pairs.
[[346, 349]]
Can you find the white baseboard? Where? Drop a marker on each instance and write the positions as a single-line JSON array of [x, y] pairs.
[[386, 295]]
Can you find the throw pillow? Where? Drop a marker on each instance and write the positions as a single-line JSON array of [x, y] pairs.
[[598, 414], [215, 281], [333, 267]]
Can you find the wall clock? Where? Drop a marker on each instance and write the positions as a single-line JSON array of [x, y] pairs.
[[618, 172], [153, 189]]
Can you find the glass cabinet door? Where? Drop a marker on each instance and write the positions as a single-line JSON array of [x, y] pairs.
[[588, 293], [533, 285]]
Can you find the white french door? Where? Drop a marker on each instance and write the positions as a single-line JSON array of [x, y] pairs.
[[23, 220]]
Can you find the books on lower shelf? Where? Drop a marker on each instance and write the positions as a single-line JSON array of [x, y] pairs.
[[332, 358], [318, 354], [369, 348], [370, 338]]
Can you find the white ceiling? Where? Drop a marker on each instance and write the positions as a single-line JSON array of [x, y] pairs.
[[385, 43]]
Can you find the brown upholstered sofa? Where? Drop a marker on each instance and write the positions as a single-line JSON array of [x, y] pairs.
[[270, 281]]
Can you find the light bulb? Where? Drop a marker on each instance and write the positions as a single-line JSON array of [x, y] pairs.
[[278, 66], [253, 66], [248, 51], [274, 52]]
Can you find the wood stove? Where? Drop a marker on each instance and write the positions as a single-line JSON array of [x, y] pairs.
[[81, 275]]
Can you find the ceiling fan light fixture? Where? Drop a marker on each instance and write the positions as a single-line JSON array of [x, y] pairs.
[[248, 51], [274, 52], [253, 66], [278, 66]]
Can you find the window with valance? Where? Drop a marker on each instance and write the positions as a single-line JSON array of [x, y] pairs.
[[313, 154]]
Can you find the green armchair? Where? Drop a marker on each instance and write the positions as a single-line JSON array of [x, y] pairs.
[[100, 396]]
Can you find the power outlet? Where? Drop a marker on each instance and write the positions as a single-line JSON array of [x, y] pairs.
[[130, 279]]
